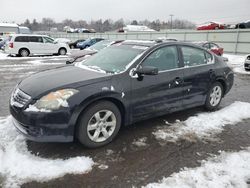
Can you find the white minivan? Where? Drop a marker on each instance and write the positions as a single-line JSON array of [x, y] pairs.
[[26, 45]]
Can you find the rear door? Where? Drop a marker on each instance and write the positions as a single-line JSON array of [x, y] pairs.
[[198, 74], [21, 42], [154, 95], [35, 43]]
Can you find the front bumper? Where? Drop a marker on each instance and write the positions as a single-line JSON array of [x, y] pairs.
[[42, 126]]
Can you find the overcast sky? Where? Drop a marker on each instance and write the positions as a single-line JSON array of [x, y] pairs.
[[198, 11]]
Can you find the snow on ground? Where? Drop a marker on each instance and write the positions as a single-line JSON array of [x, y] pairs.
[[141, 142], [18, 165], [236, 62], [44, 62], [235, 59], [4, 56], [241, 70], [228, 170], [204, 125]]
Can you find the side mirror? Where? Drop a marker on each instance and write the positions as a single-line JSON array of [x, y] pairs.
[[147, 70]]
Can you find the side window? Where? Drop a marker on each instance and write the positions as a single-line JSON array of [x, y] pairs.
[[213, 46], [36, 39], [206, 46], [21, 39], [165, 58], [193, 56], [209, 57], [48, 40]]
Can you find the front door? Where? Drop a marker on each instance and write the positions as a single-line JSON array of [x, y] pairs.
[[49, 46], [154, 95]]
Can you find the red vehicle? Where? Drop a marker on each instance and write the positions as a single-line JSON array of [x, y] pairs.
[[211, 26], [215, 48]]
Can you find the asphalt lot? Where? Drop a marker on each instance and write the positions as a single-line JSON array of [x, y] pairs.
[[125, 164]]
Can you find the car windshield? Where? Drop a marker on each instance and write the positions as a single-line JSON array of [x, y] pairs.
[[114, 59], [100, 45], [87, 40]]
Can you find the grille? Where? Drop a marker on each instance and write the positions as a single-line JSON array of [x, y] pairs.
[[19, 98]]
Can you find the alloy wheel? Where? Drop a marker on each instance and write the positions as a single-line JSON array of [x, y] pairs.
[[215, 96], [101, 126]]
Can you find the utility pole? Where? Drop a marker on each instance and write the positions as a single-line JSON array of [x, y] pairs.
[[171, 21]]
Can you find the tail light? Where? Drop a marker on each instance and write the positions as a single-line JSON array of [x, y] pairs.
[[11, 45]]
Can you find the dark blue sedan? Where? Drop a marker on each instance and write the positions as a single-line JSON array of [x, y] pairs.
[[120, 85], [87, 43]]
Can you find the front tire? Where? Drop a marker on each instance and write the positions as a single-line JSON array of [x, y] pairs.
[[99, 124], [214, 96]]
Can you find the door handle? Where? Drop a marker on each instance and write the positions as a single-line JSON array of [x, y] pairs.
[[211, 73], [178, 81]]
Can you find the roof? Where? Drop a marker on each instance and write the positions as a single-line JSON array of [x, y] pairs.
[[8, 25], [140, 42], [30, 35]]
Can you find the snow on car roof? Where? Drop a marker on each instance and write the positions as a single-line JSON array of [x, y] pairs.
[[15, 35], [140, 42], [8, 25]]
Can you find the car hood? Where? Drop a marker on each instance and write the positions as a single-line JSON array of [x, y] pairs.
[[59, 78]]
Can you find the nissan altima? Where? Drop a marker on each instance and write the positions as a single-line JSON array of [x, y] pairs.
[[122, 84]]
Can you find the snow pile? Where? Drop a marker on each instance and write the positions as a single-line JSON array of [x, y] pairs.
[[3, 56], [237, 63], [204, 125], [229, 170], [235, 60], [241, 70], [141, 142], [18, 165]]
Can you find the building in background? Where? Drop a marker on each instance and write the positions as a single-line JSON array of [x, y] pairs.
[[12, 28]]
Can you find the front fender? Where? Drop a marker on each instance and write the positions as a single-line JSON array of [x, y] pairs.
[[105, 95]]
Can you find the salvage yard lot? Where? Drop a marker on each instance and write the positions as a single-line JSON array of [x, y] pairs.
[[143, 153]]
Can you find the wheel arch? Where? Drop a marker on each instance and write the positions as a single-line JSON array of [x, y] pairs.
[[62, 47], [24, 48], [89, 101], [223, 83]]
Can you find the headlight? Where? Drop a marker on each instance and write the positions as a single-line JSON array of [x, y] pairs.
[[55, 100]]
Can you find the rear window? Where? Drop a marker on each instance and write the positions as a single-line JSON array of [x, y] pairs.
[[193, 56], [22, 39]]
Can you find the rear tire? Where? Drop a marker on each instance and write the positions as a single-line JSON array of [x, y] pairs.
[[62, 51], [214, 96], [99, 124], [24, 52]]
